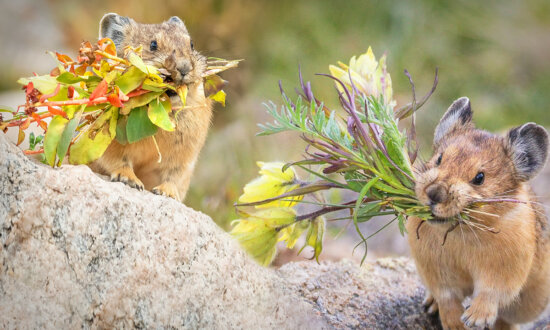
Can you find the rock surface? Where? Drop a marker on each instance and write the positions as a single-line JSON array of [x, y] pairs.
[[77, 251]]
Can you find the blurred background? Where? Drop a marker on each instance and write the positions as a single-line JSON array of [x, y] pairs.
[[495, 52]]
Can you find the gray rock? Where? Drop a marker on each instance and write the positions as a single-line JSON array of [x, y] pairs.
[[385, 294], [77, 251]]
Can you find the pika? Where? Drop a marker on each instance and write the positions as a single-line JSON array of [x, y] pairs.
[[499, 253], [166, 46]]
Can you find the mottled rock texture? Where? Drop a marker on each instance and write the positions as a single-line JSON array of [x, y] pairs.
[[77, 251]]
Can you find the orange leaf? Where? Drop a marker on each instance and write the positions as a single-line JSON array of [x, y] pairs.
[[55, 72], [20, 137], [25, 124], [114, 100], [44, 125], [36, 118], [63, 58], [55, 111], [100, 90], [81, 69]]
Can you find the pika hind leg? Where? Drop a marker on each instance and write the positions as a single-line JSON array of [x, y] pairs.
[[430, 304], [500, 324], [174, 182], [118, 168]]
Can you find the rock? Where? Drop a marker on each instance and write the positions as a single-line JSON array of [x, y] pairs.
[[77, 251], [385, 294]]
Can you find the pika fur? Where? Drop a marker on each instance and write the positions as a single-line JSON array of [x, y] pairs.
[[499, 256], [166, 46]]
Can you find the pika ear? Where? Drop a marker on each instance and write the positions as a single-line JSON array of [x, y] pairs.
[[177, 21], [458, 116], [113, 26], [528, 145]]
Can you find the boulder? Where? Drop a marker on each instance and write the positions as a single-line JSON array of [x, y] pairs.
[[78, 251]]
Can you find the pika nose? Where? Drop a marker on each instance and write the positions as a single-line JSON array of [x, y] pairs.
[[183, 71], [436, 193]]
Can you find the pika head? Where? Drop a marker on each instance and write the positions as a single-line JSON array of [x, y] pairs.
[[166, 46], [470, 164]]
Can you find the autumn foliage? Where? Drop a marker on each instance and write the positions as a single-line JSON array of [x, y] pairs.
[[100, 97]]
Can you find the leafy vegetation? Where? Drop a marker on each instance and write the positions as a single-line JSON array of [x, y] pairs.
[[101, 97], [361, 144]]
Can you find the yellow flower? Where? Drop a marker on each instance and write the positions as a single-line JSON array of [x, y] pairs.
[[369, 76], [258, 232], [272, 183]]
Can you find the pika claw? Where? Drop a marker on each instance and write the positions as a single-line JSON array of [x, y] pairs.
[[127, 176], [478, 318], [167, 189]]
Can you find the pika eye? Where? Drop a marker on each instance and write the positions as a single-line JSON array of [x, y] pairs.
[[192, 46], [154, 46], [438, 161], [478, 179]]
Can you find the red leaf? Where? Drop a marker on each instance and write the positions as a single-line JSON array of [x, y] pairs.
[[70, 92], [114, 100], [55, 111], [71, 70], [100, 90], [30, 88]]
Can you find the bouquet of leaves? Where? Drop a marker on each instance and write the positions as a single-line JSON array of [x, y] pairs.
[[358, 148], [100, 97]]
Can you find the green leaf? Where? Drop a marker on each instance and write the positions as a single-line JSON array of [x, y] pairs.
[[138, 101], [70, 78], [67, 136], [315, 236], [130, 80], [53, 135], [401, 222], [139, 126], [137, 62], [85, 150], [5, 108], [159, 116], [113, 122], [121, 130], [45, 84]]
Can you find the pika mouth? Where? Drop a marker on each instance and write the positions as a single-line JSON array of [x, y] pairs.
[[440, 221]]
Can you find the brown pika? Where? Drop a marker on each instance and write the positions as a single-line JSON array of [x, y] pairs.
[[166, 46], [498, 252]]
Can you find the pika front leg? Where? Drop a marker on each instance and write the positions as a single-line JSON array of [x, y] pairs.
[[483, 311], [127, 176], [450, 310]]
